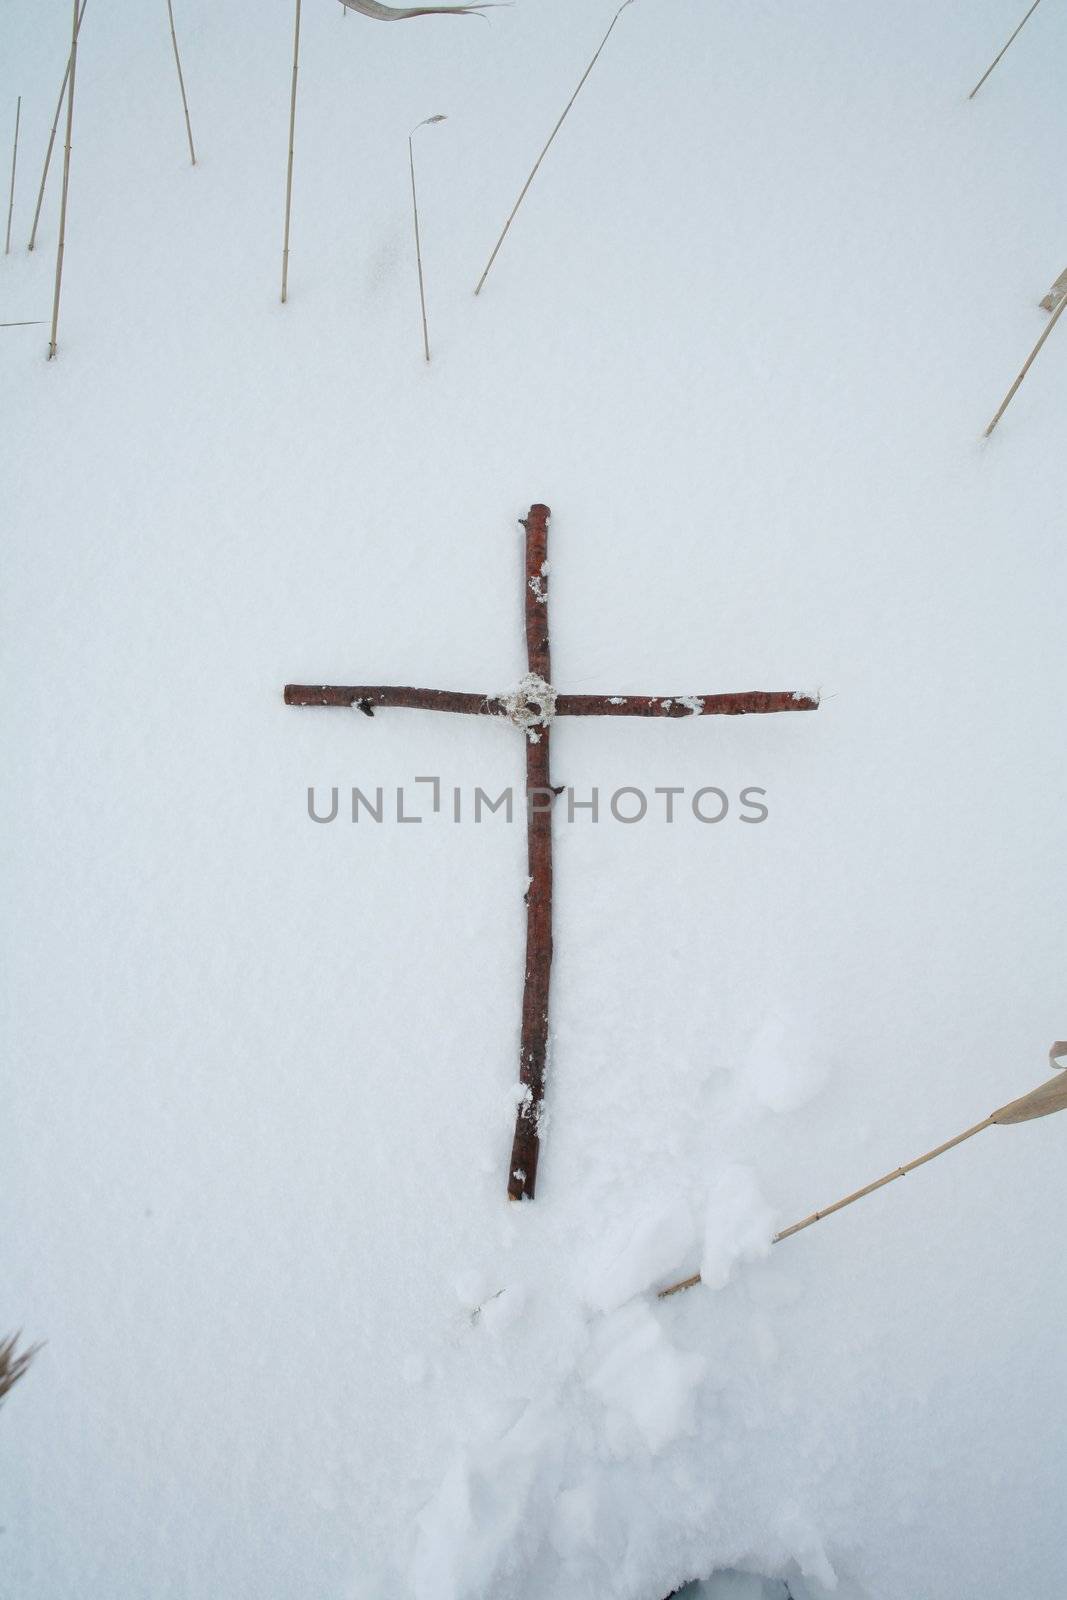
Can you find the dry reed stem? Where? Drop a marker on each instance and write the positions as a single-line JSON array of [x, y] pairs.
[[1044, 1101], [52, 346], [181, 82], [418, 242], [1005, 50], [14, 159], [1027, 364], [52, 138], [289, 172], [544, 152]]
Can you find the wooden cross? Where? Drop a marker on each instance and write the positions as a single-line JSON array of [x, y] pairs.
[[532, 708]]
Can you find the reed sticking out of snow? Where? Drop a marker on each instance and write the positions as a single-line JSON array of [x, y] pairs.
[[1005, 50], [544, 152], [12, 1366], [1027, 364], [381, 13], [53, 342], [14, 159], [289, 172], [52, 139], [415, 211], [1044, 1101], [181, 82]]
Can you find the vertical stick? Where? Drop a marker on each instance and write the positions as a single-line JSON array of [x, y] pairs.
[[181, 82], [522, 1173], [289, 173], [1005, 50], [418, 247], [14, 159], [1027, 364], [52, 139], [52, 345], [544, 152]]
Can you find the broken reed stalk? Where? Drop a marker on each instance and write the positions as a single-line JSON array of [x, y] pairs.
[[1027, 364], [52, 138], [415, 210], [1005, 50], [12, 1366], [1043, 1101], [533, 1048], [52, 346], [14, 159], [181, 82], [1056, 293], [544, 152], [289, 172]]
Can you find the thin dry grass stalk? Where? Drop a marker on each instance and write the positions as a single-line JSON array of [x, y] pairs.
[[1027, 364], [14, 159], [1005, 50], [289, 172], [53, 342], [1043, 1101], [181, 82], [544, 152], [52, 139], [12, 1366], [418, 242]]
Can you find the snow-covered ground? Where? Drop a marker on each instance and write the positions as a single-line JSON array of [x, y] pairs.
[[766, 292]]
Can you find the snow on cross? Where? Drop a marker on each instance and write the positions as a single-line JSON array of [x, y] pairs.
[[532, 708]]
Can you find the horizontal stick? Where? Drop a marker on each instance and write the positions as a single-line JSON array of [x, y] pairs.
[[367, 697], [701, 705]]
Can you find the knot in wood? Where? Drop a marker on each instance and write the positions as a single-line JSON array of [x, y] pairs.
[[532, 704]]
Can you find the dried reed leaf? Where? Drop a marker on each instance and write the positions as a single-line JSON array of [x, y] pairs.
[[372, 8], [13, 1366]]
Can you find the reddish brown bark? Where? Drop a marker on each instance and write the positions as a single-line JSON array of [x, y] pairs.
[[370, 696], [705, 705], [533, 1045]]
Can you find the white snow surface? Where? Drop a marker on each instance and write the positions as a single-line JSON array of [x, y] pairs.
[[765, 293]]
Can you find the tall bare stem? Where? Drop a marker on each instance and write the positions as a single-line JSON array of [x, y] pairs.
[[52, 345], [14, 159], [544, 152], [52, 139], [289, 172], [181, 82]]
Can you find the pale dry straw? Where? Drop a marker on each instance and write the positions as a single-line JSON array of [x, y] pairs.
[[53, 342], [181, 82], [289, 169], [52, 138], [14, 160], [1043, 1101], [1005, 50], [548, 145], [415, 210], [1027, 364]]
